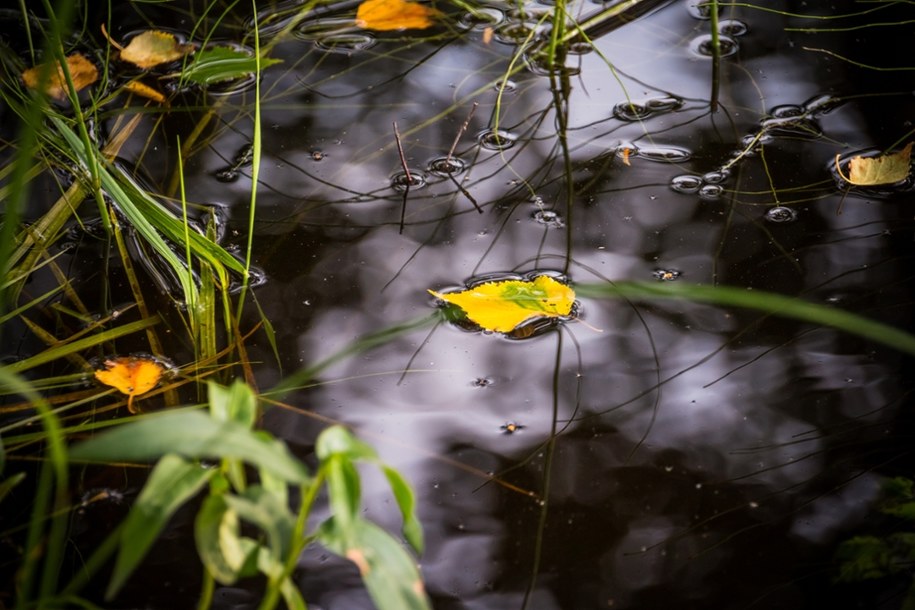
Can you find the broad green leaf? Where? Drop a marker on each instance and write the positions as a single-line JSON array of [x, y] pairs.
[[883, 169], [217, 64], [195, 435], [171, 483], [389, 573], [337, 440], [412, 529], [224, 552], [273, 569], [344, 490], [263, 509], [503, 306], [234, 403]]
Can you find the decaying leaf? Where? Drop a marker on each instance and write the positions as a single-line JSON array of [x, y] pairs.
[[883, 169], [385, 15], [131, 375], [503, 306], [144, 90], [152, 48], [82, 71]]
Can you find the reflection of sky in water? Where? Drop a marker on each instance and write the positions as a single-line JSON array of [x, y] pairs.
[[649, 492]]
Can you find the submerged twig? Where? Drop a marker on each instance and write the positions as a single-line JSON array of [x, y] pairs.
[[407, 177], [460, 132]]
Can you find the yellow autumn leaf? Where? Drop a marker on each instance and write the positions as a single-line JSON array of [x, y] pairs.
[[503, 306], [154, 47], [82, 71], [131, 375], [882, 169], [385, 15], [144, 90]]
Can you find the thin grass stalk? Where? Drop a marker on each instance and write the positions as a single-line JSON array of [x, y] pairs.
[[716, 55], [52, 492]]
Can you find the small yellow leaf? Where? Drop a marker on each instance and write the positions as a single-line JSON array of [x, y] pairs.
[[131, 375], [384, 15], [152, 48], [144, 90], [503, 306], [82, 71], [883, 169]]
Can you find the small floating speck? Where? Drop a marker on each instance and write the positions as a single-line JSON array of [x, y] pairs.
[[511, 427], [548, 218], [666, 275]]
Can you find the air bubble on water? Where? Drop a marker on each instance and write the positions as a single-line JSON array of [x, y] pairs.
[[548, 218], [711, 192], [699, 9], [513, 33], [786, 111], [631, 111], [637, 110], [506, 86], [227, 175], [686, 184], [346, 44], [703, 46], [664, 154], [481, 18], [716, 176], [732, 27], [401, 182], [580, 47], [780, 214], [822, 104], [493, 139]]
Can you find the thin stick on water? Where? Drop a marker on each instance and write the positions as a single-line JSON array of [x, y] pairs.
[[407, 177], [461, 131], [403, 158]]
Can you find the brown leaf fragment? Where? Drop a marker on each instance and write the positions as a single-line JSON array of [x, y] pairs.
[[882, 169], [153, 47], [358, 557], [144, 90], [82, 71]]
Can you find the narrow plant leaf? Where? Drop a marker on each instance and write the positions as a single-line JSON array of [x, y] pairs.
[[225, 553], [412, 529], [143, 90], [502, 306], [131, 375], [195, 435], [384, 15], [261, 508], [389, 573], [217, 64], [82, 71], [152, 48], [171, 483], [883, 169]]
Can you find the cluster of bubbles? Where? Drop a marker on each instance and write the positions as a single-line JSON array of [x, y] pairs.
[[729, 30], [639, 110]]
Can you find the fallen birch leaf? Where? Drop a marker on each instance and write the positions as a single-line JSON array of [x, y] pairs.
[[503, 306], [131, 375], [82, 71], [152, 48], [385, 15], [882, 169]]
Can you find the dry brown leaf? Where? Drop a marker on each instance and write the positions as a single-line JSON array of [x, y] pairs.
[[152, 48], [144, 90], [82, 71], [883, 169], [385, 15]]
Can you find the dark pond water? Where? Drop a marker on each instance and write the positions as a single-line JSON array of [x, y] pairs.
[[663, 454]]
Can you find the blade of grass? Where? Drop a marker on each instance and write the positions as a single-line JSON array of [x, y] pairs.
[[768, 302]]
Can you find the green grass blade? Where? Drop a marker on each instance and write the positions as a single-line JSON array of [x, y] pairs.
[[192, 434], [769, 302], [60, 351]]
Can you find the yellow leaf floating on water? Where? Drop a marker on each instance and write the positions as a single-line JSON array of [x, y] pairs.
[[883, 169], [386, 15], [152, 48], [82, 71], [502, 306], [131, 375]]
